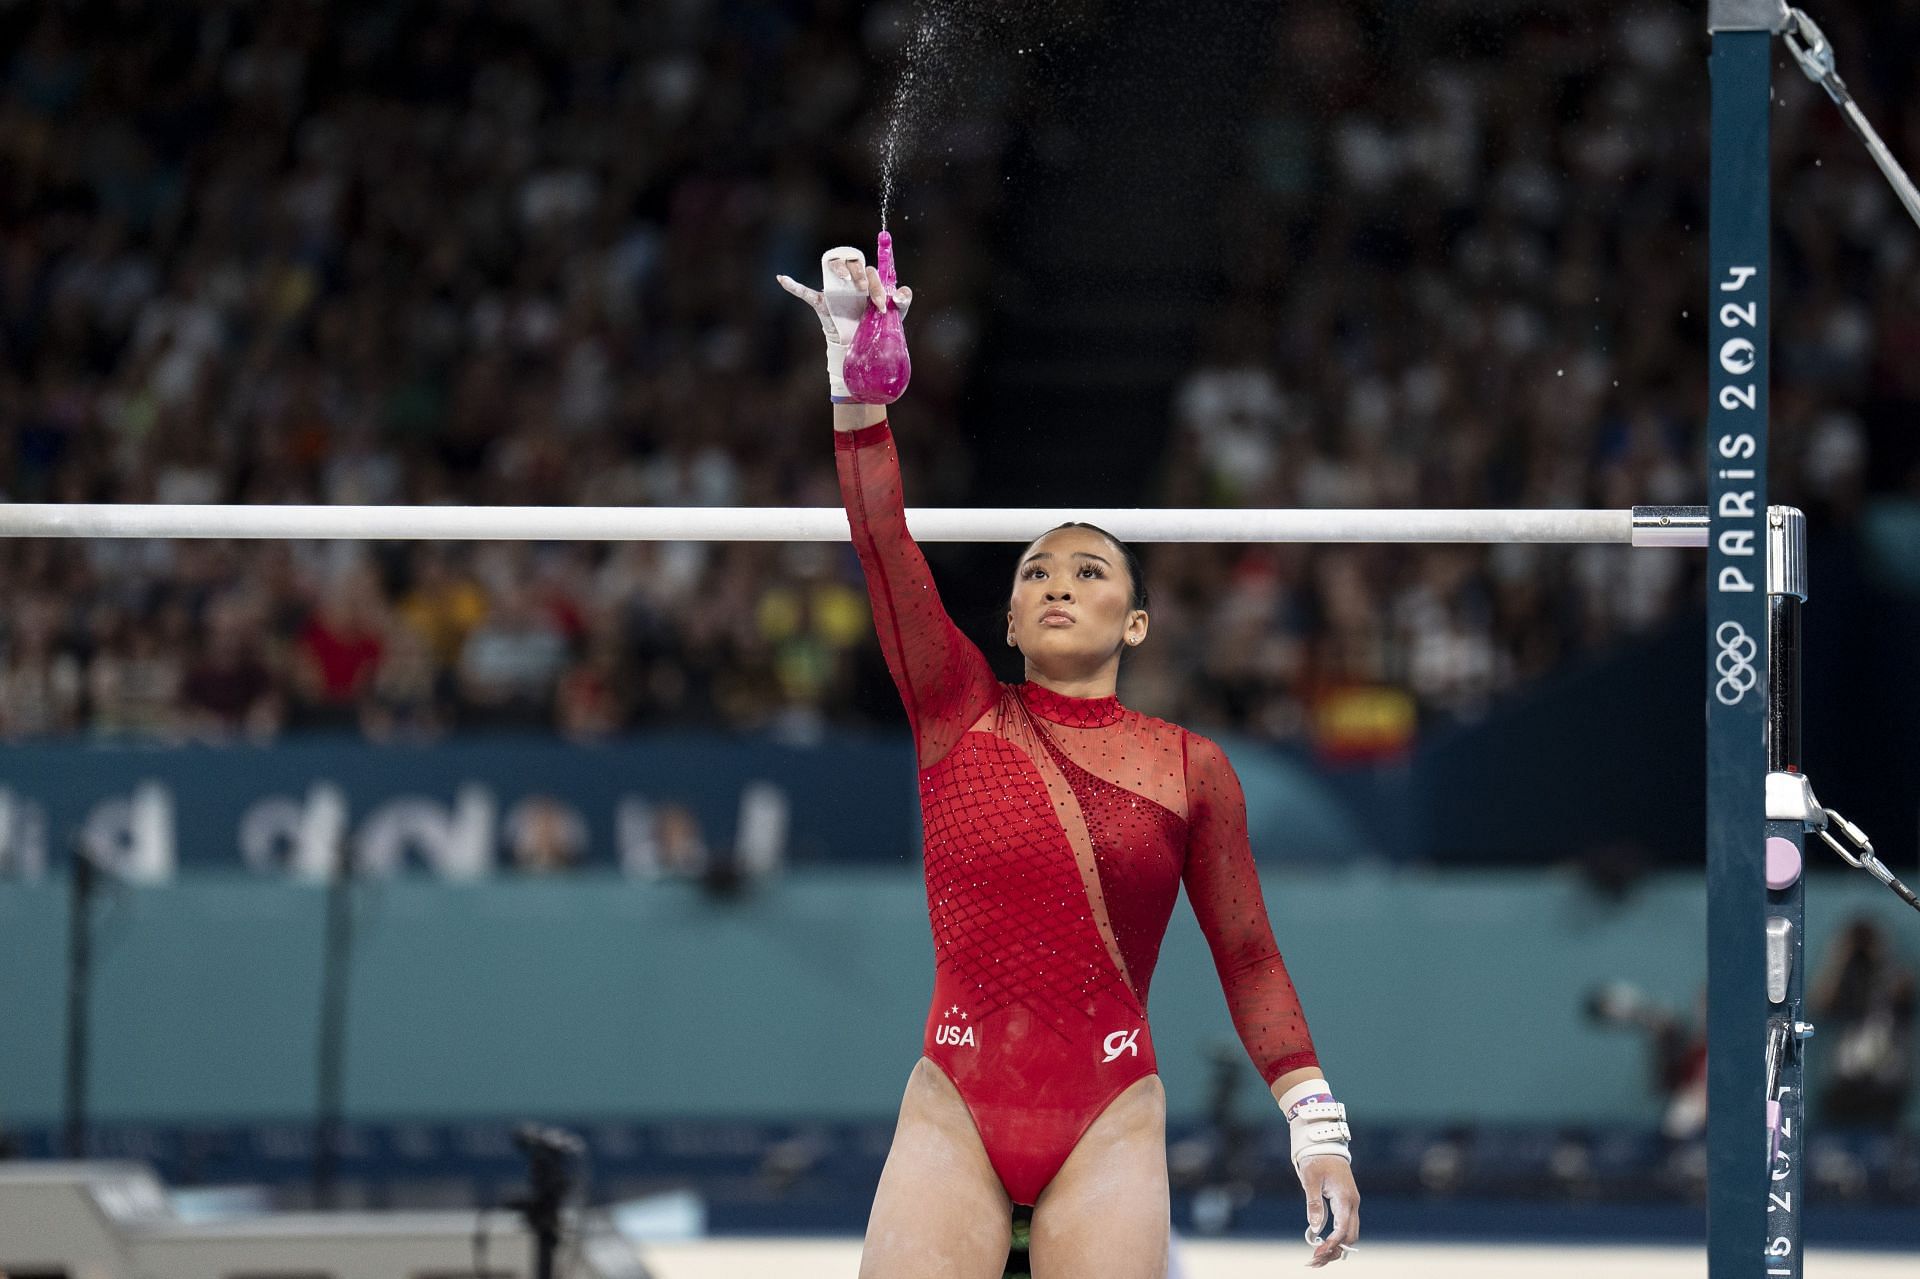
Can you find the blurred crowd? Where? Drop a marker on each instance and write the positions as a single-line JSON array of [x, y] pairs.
[[1472, 271], [434, 253], [502, 251]]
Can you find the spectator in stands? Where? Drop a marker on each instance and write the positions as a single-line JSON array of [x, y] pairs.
[[443, 603], [407, 700], [593, 698], [1677, 1051], [133, 682], [338, 649], [544, 835], [229, 688], [40, 685], [1865, 998], [511, 662]]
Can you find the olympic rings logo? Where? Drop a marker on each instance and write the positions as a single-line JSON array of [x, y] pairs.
[[1738, 675]]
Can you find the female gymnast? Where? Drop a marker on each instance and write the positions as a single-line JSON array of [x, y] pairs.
[[1059, 828]]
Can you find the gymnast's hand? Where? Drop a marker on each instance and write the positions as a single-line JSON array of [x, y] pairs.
[[1328, 1179], [847, 287]]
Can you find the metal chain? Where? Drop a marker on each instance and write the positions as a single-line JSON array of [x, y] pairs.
[[1809, 47], [1858, 853]]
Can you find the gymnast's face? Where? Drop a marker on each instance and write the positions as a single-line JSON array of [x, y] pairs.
[[1072, 607]]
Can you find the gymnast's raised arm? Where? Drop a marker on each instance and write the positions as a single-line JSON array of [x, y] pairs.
[[943, 679]]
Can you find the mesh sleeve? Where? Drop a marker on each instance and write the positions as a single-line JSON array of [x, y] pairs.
[[1224, 887], [943, 679]]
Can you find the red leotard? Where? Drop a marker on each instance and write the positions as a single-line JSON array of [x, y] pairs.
[[1058, 833]]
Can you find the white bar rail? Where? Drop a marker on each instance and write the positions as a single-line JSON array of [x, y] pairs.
[[1641, 526]]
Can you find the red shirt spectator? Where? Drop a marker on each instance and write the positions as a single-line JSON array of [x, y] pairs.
[[344, 659], [340, 644]]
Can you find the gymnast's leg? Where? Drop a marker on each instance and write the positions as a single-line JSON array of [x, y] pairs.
[[940, 1211], [1105, 1212]]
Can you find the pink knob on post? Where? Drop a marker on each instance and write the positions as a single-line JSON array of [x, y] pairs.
[[878, 367], [1783, 862]]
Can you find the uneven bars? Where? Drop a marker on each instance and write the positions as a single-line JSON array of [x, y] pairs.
[[1678, 526]]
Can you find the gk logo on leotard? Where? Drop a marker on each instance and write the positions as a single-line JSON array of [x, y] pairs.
[[1121, 1041], [1735, 663]]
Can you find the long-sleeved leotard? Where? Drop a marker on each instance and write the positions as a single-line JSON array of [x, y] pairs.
[[1058, 833]]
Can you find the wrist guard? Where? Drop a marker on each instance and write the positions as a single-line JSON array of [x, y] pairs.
[[844, 304], [1316, 1122]]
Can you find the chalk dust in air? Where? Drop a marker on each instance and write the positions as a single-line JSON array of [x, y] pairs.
[[950, 54], [932, 35], [949, 51]]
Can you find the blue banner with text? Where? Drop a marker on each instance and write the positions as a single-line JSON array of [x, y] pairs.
[[684, 804]]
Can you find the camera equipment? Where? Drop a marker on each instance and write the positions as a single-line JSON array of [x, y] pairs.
[[550, 1154]]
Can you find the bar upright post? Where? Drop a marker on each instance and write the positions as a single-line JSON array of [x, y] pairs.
[[1736, 462]]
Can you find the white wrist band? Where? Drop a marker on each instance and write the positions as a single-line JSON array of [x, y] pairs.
[[846, 302], [1316, 1122]]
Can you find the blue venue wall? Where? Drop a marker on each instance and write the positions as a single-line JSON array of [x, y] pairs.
[[1434, 995]]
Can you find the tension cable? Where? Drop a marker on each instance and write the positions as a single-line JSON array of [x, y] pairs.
[[1809, 47]]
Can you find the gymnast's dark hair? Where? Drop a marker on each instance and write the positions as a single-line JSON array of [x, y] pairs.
[[1134, 573]]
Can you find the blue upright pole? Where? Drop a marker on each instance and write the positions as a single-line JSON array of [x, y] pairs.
[[1740, 224]]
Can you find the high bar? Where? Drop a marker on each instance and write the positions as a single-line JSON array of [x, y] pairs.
[[1639, 526]]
